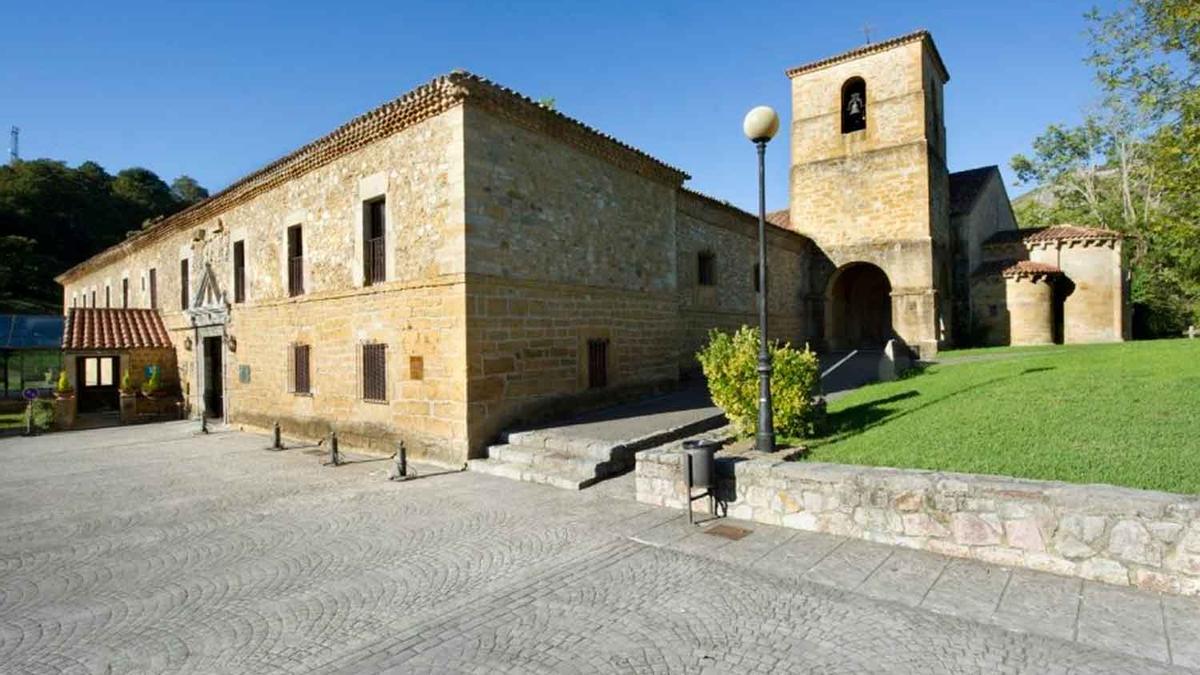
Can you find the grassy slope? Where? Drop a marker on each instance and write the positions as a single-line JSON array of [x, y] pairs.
[[1126, 414]]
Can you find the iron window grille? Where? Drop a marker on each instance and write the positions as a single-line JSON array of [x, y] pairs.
[[239, 271], [183, 284], [295, 261], [374, 372], [374, 251], [301, 363], [597, 363]]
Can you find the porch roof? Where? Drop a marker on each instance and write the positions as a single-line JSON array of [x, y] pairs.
[[104, 328]]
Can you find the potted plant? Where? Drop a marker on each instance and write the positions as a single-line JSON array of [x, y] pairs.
[[127, 388], [63, 389], [152, 387]]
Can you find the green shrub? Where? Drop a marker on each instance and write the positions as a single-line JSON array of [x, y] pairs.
[[64, 383], [43, 414], [730, 364], [126, 382]]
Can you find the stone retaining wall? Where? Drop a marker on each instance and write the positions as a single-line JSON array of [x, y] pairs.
[[1116, 535]]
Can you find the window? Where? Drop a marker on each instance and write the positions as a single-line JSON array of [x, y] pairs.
[[854, 105], [374, 256], [99, 371], [239, 271], [597, 363], [125, 293], [184, 284], [707, 269], [757, 286], [416, 368], [301, 368], [153, 288], [107, 296], [374, 372], [93, 298], [295, 245]]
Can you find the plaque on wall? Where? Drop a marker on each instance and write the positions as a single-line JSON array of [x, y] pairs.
[[244, 374]]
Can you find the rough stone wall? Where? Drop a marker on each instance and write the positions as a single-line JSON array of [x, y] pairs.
[[419, 311], [989, 297], [1030, 310], [562, 247], [731, 236], [877, 195], [992, 213], [1116, 535], [1095, 311]]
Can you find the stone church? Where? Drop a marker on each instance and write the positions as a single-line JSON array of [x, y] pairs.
[[463, 258]]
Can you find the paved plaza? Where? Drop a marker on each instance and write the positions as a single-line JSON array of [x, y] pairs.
[[151, 549]]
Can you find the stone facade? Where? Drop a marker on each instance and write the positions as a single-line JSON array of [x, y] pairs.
[[530, 262], [1115, 535]]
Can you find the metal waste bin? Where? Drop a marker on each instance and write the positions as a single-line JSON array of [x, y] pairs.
[[699, 471]]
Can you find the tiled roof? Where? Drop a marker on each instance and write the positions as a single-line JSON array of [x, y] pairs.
[[99, 328], [1052, 233], [872, 48], [424, 102], [1015, 268], [966, 186], [781, 218]]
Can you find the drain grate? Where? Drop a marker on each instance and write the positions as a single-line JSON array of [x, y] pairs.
[[728, 531]]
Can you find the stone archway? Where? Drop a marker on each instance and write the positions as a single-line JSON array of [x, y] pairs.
[[859, 307]]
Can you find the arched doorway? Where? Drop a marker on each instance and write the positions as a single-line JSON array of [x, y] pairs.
[[859, 303]]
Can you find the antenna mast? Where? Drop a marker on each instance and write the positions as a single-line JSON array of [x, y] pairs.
[[14, 150]]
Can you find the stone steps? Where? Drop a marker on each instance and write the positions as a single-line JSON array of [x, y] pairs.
[[551, 457]]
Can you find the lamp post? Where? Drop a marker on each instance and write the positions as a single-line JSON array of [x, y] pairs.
[[760, 126]]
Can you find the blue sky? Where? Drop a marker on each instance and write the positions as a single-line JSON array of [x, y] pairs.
[[217, 89]]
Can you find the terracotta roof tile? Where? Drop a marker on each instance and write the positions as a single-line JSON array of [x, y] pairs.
[[1052, 233], [1015, 268], [96, 328], [422, 103], [871, 49]]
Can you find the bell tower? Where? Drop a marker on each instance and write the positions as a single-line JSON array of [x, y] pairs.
[[869, 185]]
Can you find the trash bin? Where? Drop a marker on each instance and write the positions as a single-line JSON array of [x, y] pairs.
[[699, 454]]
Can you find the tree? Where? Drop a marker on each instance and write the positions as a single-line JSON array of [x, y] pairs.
[[187, 190], [144, 195], [1131, 164]]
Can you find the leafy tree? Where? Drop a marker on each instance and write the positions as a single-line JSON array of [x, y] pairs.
[[53, 216], [187, 190], [1131, 165]]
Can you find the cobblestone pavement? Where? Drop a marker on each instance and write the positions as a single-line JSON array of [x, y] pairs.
[[148, 549]]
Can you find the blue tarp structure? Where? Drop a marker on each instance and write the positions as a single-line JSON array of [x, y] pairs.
[[30, 353]]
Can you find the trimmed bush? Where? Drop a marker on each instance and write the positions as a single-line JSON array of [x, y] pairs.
[[730, 364], [43, 414], [152, 385]]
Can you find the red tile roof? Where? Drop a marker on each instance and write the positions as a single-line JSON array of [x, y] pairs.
[[1053, 233], [1015, 268], [95, 328]]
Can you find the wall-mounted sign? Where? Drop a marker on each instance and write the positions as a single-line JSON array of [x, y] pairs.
[[244, 374]]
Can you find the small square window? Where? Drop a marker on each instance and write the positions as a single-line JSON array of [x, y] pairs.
[[706, 269], [416, 368]]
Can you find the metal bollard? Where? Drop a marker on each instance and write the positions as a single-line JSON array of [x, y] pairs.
[[400, 470], [203, 423], [334, 458], [278, 442]]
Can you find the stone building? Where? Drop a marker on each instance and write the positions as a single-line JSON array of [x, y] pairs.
[[462, 258]]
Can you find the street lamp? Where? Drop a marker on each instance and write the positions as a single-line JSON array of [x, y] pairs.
[[760, 126]]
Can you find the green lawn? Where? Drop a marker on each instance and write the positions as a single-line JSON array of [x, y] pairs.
[[1125, 414]]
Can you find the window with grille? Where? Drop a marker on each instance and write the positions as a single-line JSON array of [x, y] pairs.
[[125, 293], [184, 284], [706, 273], [295, 245], [597, 363], [239, 271], [153, 288], [301, 369], [374, 372], [374, 252]]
